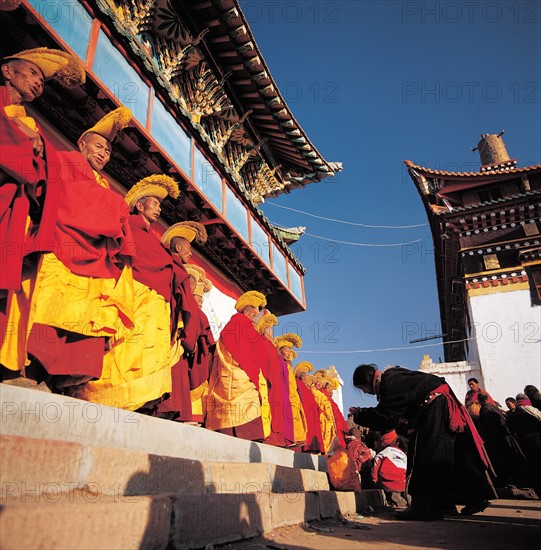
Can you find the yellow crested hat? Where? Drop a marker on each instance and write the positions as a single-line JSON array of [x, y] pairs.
[[198, 273], [202, 287], [303, 367], [288, 340], [335, 384], [265, 321], [110, 124], [63, 67], [328, 377], [189, 230], [333, 373], [251, 298], [157, 185]]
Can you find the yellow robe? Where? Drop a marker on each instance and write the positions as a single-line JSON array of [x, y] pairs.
[[85, 305], [233, 399], [198, 397], [138, 367], [300, 426], [326, 417]]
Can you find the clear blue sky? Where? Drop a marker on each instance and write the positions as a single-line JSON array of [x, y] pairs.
[[374, 83]]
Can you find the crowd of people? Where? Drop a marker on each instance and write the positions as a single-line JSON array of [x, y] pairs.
[[456, 454], [99, 305], [513, 437]]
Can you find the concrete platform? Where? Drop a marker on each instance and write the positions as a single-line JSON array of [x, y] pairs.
[[79, 475], [83, 520], [44, 466], [30, 413]]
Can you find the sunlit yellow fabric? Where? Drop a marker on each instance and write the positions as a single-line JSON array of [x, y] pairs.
[[233, 399], [138, 367], [13, 347], [326, 417], [266, 415], [19, 112], [300, 426], [85, 305], [100, 180], [198, 398]]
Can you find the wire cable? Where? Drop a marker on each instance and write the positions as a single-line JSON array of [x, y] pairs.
[[362, 244], [347, 242], [387, 349], [358, 224]]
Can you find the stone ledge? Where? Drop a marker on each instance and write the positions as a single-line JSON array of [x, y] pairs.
[[45, 466], [86, 521], [29, 413]]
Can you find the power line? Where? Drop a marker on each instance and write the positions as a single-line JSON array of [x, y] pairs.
[[347, 242], [362, 244], [358, 224], [386, 349]]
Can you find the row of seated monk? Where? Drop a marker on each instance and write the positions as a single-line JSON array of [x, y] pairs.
[[99, 305]]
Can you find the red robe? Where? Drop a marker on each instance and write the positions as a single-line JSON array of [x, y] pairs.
[[153, 265], [314, 438], [243, 342], [289, 430], [201, 360], [342, 427], [276, 401], [25, 190], [200, 363], [92, 237], [185, 308], [92, 234]]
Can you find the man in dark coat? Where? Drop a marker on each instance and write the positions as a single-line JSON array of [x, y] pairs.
[[446, 459]]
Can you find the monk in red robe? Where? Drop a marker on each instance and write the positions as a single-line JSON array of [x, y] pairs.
[[237, 403], [25, 214], [28, 193], [200, 362], [83, 288], [295, 426], [279, 407], [314, 437], [186, 320], [137, 368], [326, 384]]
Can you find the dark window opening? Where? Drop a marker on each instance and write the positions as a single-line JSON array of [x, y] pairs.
[[534, 278]]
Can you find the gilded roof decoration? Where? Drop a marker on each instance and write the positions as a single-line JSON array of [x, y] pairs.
[[264, 182], [173, 58], [136, 15], [201, 93], [162, 32]]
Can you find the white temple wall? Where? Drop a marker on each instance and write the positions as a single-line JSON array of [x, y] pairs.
[[456, 374], [507, 332]]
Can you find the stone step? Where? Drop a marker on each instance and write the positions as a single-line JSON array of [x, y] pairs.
[[29, 413], [82, 520], [40, 466]]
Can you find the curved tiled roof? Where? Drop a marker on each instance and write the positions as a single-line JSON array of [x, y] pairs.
[[234, 51], [511, 170]]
